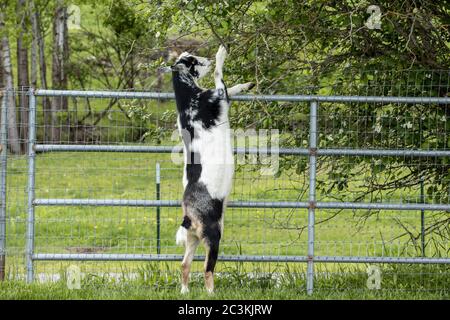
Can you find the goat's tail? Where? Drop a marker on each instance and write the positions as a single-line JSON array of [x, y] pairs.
[[181, 237]]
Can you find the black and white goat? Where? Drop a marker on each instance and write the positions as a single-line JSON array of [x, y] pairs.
[[208, 157]]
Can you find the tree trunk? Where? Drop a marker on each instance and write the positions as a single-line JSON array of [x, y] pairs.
[[22, 73], [34, 45], [59, 59], [13, 133], [38, 39], [2, 77], [2, 85]]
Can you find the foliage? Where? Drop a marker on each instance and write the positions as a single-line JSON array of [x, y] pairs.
[[291, 47], [325, 47]]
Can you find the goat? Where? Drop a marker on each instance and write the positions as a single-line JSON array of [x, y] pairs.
[[208, 158]]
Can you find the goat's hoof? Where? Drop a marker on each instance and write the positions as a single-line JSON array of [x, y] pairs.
[[221, 54], [249, 85]]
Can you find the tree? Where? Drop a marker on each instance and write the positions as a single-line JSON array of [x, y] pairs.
[[38, 59], [22, 71], [13, 133], [60, 57], [1, 69], [34, 45], [114, 58]]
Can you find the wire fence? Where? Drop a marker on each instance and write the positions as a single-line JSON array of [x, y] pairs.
[[361, 183]]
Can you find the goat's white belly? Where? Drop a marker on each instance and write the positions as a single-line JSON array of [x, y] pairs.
[[217, 160]]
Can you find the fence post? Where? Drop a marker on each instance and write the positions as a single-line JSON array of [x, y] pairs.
[[3, 161], [31, 183], [422, 217], [158, 208], [312, 194]]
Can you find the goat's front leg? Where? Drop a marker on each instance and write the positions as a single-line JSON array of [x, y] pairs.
[[234, 90], [218, 73]]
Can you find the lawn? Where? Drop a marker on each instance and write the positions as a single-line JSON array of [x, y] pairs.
[[154, 283], [247, 231]]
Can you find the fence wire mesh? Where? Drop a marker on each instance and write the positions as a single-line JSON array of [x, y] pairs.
[[357, 234]]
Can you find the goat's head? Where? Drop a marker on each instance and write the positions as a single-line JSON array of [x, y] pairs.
[[196, 66]]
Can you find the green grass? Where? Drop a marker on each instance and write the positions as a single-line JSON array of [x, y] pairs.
[[59, 291], [153, 283], [247, 231], [132, 176]]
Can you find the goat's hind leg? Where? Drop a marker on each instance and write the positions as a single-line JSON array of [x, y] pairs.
[[191, 245], [212, 251]]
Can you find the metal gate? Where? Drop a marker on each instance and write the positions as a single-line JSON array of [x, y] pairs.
[[312, 152]]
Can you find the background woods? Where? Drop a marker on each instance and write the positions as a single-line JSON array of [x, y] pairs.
[[285, 47]]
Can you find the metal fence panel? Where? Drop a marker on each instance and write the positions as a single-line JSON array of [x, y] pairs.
[[93, 193]]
